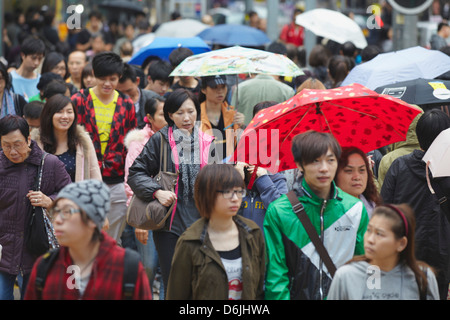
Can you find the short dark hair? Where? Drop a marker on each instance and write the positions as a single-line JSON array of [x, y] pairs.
[[210, 179], [370, 52], [106, 64], [12, 123], [160, 70], [32, 45], [128, 73], [430, 125], [348, 49], [263, 105], [310, 145], [178, 55], [175, 100], [151, 105], [54, 87], [441, 25], [46, 78], [33, 109]]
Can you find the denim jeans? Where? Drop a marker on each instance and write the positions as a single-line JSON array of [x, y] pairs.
[[7, 285]]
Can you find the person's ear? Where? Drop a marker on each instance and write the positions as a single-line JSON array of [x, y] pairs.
[[402, 243]]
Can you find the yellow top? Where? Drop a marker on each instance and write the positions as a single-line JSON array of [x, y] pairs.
[[104, 114]]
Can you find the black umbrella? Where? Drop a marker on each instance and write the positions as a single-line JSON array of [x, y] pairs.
[[421, 92], [122, 5]]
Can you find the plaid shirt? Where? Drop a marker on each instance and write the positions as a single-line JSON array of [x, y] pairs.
[[105, 282], [112, 163]]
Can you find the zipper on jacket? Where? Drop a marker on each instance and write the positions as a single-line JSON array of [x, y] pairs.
[[322, 209]]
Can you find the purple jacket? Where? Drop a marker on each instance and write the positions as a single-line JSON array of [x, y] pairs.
[[15, 182]]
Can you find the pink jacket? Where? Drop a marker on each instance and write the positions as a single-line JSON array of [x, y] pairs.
[[135, 142]]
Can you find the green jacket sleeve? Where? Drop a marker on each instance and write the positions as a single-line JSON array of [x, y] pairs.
[[359, 246], [277, 280]]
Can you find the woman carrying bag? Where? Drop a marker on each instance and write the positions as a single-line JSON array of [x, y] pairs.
[[189, 150]]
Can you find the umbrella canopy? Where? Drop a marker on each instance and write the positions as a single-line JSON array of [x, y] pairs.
[[122, 6], [355, 115], [182, 28], [142, 41], [402, 65], [234, 34], [162, 47], [438, 155], [332, 25], [236, 60], [419, 91]]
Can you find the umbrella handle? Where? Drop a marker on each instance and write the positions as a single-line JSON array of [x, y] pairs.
[[252, 179], [428, 178]]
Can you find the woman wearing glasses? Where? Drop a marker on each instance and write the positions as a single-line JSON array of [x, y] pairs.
[[88, 265], [20, 158], [221, 256]]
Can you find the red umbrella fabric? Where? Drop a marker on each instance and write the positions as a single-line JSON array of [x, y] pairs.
[[355, 115]]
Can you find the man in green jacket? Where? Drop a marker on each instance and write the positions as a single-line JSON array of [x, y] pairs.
[[294, 267]]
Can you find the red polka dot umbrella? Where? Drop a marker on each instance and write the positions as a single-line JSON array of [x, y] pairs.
[[355, 115]]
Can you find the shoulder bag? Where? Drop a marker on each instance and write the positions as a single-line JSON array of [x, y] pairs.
[[153, 215], [312, 233], [39, 237]]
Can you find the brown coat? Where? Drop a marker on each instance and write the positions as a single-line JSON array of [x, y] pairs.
[[198, 273]]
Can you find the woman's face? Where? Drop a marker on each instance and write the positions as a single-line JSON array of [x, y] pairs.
[[60, 69], [90, 81], [227, 207], [68, 224], [380, 244], [215, 95], [158, 121], [64, 118], [353, 177], [185, 117], [15, 146]]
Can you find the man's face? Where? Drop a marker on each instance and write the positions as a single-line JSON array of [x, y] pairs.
[[76, 63], [159, 86], [107, 85], [129, 88], [320, 173], [31, 61]]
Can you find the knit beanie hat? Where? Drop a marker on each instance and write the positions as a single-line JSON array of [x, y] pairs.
[[92, 196]]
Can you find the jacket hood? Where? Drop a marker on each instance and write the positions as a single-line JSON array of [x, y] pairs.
[[81, 134], [138, 135]]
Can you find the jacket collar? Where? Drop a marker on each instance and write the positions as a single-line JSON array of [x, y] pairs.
[[303, 189]]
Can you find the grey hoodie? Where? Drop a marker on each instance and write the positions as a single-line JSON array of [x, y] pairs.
[[362, 281]]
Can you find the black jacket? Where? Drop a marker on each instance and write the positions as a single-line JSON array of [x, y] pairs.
[[405, 182]]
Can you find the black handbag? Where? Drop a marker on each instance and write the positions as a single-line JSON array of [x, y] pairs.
[[37, 234]]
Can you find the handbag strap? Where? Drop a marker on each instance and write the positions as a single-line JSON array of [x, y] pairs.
[[312, 233], [163, 155], [40, 170]]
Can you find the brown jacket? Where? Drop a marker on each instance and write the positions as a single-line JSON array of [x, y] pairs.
[[198, 273]]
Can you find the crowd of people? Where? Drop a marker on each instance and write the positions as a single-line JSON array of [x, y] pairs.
[[101, 124]]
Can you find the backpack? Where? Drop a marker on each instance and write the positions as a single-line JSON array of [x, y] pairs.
[[131, 264]]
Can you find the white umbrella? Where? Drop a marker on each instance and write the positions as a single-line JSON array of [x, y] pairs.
[[437, 156], [183, 28], [332, 25]]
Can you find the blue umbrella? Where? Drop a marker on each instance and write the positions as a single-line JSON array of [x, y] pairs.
[[162, 47], [234, 34], [402, 65]]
